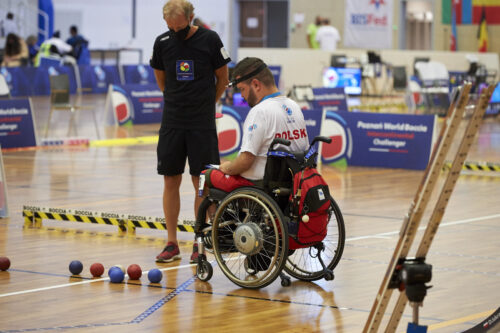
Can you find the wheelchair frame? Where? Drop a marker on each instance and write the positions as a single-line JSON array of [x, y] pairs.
[[248, 232]]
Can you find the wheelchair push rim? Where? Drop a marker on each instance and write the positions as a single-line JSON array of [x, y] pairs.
[[303, 263], [259, 237]]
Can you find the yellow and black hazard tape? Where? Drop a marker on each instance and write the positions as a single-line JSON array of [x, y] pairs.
[[476, 166], [33, 216]]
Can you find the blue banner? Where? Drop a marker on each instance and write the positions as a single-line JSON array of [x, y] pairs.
[[313, 119], [98, 78], [19, 80], [331, 99], [147, 101], [16, 124], [31, 81], [138, 74], [378, 140]]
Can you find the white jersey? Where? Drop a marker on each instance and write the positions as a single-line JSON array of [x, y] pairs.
[[327, 37], [273, 117]]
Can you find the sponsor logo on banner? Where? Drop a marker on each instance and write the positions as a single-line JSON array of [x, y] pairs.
[[229, 131], [143, 72], [371, 19], [368, 23], [121, 106], [101, 77], [335, 127]]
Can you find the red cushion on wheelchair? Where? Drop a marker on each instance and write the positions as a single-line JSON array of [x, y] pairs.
[[227, 183]]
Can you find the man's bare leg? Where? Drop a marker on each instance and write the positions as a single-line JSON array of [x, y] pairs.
[[171, 205], [197, 199]]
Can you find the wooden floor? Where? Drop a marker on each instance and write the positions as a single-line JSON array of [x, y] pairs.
[[38, 293]]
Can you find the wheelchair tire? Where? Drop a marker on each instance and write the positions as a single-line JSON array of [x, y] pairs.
[[303, 264], [204, 271], [260, 238]]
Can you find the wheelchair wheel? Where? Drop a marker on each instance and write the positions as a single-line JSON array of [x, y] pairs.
[[303, 264], [259, 240]]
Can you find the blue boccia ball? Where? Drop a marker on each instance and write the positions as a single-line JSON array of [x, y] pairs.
[[116, 275], [155, 275], [75, 267]]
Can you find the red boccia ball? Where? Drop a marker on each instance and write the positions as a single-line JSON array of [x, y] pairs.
[[97, 269], [134, 272], [4, 263]]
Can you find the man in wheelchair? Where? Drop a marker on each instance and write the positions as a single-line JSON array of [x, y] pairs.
[[245, 216]]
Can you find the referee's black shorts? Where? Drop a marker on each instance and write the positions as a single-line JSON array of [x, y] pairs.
[[175, 144]]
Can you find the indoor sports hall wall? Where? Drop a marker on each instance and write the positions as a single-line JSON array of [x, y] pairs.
[[305, 66]]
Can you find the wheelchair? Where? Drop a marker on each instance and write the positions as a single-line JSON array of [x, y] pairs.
[[247, 229]]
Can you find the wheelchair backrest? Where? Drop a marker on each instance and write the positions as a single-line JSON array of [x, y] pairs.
[[281, 166]]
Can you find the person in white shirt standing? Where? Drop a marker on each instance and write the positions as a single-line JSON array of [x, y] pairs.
[[327, 36], [272, 116]]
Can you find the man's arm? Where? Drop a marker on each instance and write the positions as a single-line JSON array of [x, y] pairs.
[[241, 164], [160, 79], [222, 80]]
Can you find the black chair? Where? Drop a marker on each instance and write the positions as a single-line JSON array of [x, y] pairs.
[[338, 60], [400, 80]]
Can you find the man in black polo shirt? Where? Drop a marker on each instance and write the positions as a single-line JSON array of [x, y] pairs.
[[190, 66]]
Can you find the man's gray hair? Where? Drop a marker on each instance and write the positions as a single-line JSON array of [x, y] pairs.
[[178, 7]]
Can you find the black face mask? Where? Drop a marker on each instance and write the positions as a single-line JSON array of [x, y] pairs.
[[181, 34]]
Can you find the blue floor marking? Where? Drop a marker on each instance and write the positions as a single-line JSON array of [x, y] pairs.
[[164, 300]]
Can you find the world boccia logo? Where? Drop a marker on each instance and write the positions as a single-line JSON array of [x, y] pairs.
[[335, 127], [229, 131], [184, 67]]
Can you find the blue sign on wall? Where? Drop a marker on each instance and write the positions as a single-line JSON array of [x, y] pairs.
[[16, 124], [147, 101], [379, 140], [331, 99]]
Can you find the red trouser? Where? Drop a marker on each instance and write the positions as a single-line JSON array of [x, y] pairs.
[[219, 180]]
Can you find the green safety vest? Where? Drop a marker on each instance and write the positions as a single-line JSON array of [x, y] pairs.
[[43, 52]]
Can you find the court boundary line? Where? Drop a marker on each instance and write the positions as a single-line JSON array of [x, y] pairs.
[[86, 281], [446, 224]]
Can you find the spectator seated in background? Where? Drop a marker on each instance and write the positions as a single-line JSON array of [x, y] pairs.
[[53, 47], [80, 46], [16, 52]]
